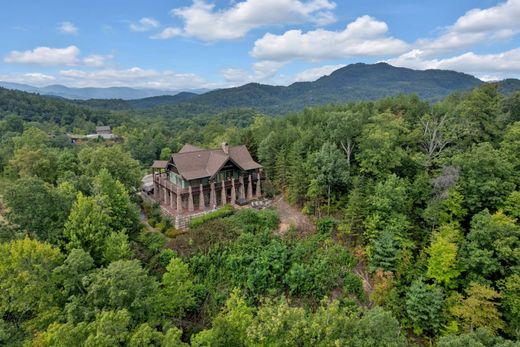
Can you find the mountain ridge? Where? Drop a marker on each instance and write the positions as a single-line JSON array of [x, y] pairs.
[[350, 83]]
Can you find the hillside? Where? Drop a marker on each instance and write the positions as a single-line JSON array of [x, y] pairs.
[[72, 93], [350, 83]]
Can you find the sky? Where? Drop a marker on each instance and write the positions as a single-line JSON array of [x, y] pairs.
[[174, 45]]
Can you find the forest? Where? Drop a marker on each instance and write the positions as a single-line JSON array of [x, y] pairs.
[[416, 207]]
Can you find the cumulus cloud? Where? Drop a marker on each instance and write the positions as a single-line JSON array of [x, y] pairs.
[[145, 24], [45, 56], [499, 22], [48, 56], [313, 74], [262, 72], [487, 66], [167, 33], [366, 36], [33, 78], [203, 21], [133, 77], [68, 28]]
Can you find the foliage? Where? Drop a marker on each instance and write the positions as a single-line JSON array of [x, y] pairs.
[[222, 212]]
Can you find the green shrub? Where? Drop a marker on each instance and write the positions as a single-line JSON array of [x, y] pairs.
[[352, 284], [225, 211]]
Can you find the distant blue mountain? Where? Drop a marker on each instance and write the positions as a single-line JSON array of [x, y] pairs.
[[123, 93]]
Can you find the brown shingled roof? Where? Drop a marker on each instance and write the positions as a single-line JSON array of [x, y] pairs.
[[160, 164], [194, 163]]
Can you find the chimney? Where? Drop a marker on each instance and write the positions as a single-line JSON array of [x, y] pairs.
[[225, 147]]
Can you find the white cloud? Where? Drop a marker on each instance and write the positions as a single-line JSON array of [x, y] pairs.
[[68, 28], [497, 65], [45, 56], [313, 74], [262, 72], [48, 56], [167, 33], [203, 21], [133, 77], [499, 22], [32, 78], [145, 24], [365, 36]]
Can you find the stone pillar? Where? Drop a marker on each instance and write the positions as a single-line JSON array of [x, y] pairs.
[[163, 195], [258, 187], [172, 201], [241, 190], [166, 197], [223, 197], [179, 201], [233, 192], [212, 197], [156, 191], [190, 200], [202, 205], [249, 188]]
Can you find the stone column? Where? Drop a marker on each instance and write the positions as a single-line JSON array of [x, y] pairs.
[[179, 201], [156, 191], [190, 200], [166, 197], [258, 187], [202, 205], [172, 201], [223, 197], [249, 188], [212, 197], [241, 190], [233, 192]]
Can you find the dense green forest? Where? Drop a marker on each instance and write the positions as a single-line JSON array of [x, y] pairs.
[[416, 207]]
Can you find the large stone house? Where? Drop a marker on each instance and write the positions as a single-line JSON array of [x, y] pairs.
[[195, 179]]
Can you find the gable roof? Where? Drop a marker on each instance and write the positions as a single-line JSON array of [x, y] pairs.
[[103, 128], [193, 162]]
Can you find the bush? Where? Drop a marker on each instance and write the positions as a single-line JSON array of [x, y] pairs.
[[225, 211], [352, 284]]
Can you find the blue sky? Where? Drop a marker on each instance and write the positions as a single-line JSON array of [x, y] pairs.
[[210, 44]]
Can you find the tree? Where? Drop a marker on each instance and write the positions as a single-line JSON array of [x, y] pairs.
[[88, 226], [380, 150], [384, 252], [479, 309], [177, 291], [442, 263], [424, 306], [510, 291], [512, 205], [25, 279], [38, 208], [487, 176], [229, 327], [71, 274], [491, 247], [345, 127], [479, 338], [119, 164], [116, 247], [115, 201], [121, 285], [332, 169]]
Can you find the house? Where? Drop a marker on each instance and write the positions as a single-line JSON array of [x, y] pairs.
[[196, 179], [103, 129]]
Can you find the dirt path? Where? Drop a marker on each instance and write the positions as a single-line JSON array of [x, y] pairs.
[[290, 216]]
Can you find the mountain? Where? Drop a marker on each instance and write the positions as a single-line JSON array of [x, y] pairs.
[[509, 86], [352, 82], [123, 93], [120, 104]]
